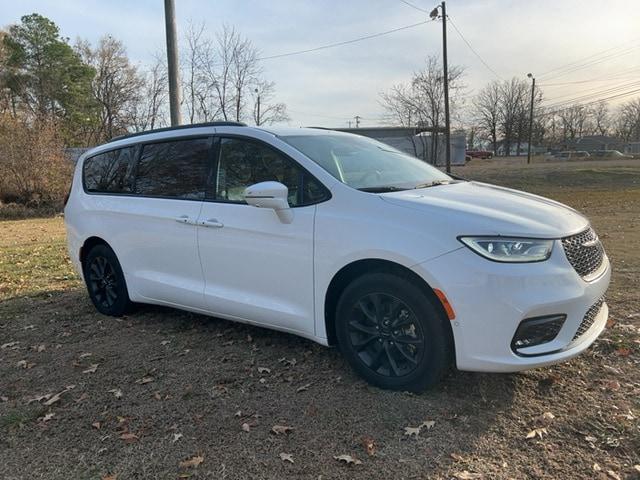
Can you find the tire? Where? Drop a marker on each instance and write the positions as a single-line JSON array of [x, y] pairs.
[[105, 281], [399, 341]]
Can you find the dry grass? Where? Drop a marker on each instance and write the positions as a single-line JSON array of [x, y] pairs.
[[202, 380]]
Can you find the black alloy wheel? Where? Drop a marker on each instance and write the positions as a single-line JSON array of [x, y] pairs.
[[386, 335], [393, 333], [105, 281]]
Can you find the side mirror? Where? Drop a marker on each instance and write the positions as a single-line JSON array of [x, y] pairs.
[[270, 195]]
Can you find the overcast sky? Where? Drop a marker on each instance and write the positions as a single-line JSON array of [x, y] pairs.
[[331, 86]]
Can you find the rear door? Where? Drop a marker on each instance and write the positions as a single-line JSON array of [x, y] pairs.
[[160, 250], [256, 267]]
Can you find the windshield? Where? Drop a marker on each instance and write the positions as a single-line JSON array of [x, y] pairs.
[[366, 164]]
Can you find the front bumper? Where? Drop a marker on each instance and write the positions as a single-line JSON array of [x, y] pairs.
[[490, 299]]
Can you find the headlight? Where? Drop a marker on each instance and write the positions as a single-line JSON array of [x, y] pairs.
[[515, 250]]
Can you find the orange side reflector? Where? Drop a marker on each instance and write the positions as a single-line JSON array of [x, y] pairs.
[[445, 304]]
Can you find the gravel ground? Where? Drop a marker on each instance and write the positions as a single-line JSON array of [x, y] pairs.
[[167, 394]]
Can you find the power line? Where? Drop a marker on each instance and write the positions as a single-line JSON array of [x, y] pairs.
[[595, 95], [604, 99], [346, 42], [593, 91], [414, 6], [576, 62], [472, 49], [617, 76]]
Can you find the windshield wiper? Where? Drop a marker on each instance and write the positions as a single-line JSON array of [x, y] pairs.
[[382, 189], [432, 184]]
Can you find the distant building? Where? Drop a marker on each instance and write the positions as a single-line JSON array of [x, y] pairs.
[[415, 141]]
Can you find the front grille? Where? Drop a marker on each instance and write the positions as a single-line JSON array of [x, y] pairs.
[[588, 318], [584, 251]]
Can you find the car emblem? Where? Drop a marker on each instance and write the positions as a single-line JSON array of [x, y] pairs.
[[591, 243]]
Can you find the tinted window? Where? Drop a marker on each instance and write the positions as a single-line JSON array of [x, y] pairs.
[[175, 169], [110, 172], [242, 163]]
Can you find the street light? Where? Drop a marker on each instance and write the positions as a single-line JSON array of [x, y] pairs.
[[533, 89]]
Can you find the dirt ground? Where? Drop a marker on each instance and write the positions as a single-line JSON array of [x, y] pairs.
[[167, 394]]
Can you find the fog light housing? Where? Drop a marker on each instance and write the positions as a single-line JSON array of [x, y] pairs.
[[537, 331]]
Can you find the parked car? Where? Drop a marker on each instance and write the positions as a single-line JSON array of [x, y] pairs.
[[340, 239], [483, 154], [613, 154], [571, 155]]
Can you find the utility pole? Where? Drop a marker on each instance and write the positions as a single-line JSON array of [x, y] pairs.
[[257, 109], [445, 70], [533, 92], [172, 62], [349, 123], [357, 119]]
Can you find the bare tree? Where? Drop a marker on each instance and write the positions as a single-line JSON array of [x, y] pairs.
[[512, 105], [628, 121], [117, 86], [574, 121], [265, 111], [601, 118], [421, 102], [150, 111], [487, 107]]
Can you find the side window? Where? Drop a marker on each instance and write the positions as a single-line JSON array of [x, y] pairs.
[[242, 163], [110, 172], [175, 169]]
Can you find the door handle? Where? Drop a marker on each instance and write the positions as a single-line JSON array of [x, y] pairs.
[[212, 223], [185, 219]]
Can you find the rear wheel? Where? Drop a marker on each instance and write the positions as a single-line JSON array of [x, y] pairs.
[[392, 334], [105, 281]]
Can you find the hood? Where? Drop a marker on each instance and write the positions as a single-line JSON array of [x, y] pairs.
[[475, 208]]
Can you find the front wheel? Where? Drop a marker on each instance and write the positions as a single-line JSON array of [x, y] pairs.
[[392, 334], [105, 281]]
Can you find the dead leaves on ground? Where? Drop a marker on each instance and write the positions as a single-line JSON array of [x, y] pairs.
[[415, 431], [92, 368], [286, 457], [466, 475], [192, 462], [281, 429], [348, 459], [369, 446]]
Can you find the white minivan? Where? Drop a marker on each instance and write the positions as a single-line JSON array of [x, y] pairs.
[[340, 239]]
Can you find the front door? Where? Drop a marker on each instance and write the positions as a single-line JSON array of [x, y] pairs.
[[256, 267]]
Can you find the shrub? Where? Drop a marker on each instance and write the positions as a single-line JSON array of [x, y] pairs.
[[34, 170]]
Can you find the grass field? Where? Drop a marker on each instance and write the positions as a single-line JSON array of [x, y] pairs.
[[168, 394]]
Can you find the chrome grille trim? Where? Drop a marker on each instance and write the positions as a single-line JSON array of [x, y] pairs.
[[585, 252], [589, 318]]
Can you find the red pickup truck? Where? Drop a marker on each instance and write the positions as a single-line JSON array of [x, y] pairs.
[[483, 154]]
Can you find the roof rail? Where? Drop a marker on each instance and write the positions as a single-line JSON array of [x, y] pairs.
[[179, 127]]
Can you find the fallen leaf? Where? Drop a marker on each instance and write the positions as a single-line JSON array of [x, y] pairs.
[[40, 348], [246, 427], [613, 475], [636, 468], [110, 476], [129, 437], [304, 388], [428, 423], [537, 432], [55, 398], [96, 425], [47, 417], [165, 342], [591, 439], [4, 399], [176, 437], [238, 414], [348, 459], [466, 475], [116, 392], [622, 352], [8, 345], [144, 380], [85, 355], [286, 457], [547, 417], [92, 368], [281, 429], [412, 431], [264, 370], [596, 467], [369, 446], [612, 385], [192, 462], [457, 457]]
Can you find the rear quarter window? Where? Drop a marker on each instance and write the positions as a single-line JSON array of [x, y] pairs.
[[110, 172]]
